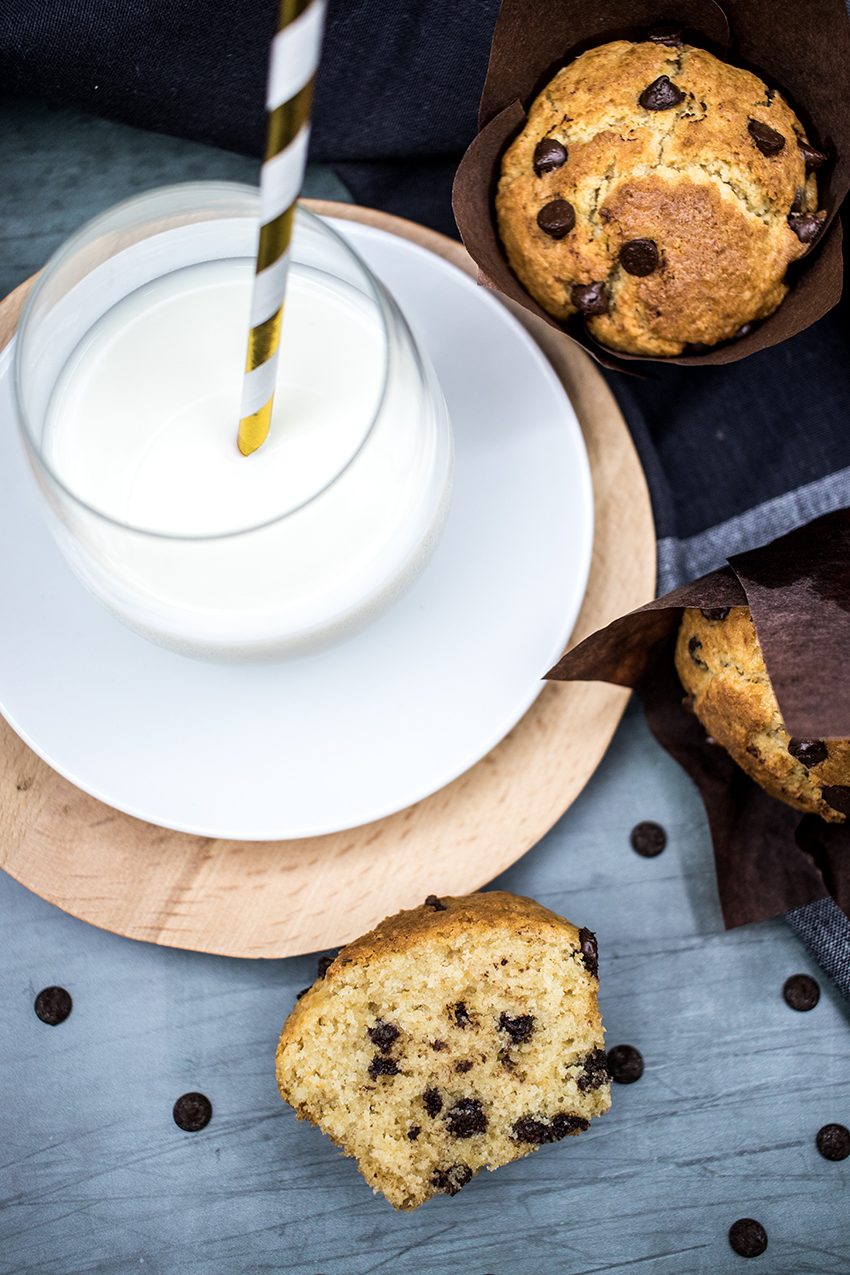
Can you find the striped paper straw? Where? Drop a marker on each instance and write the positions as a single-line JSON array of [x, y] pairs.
[[292, 74]]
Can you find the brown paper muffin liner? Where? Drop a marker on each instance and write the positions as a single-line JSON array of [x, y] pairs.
[[801, 47], [768, 857]]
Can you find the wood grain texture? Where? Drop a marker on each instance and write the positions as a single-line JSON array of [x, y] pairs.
[[272, 899]]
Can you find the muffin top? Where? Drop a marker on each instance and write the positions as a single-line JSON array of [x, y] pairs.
[[720, 664], [660, 192]]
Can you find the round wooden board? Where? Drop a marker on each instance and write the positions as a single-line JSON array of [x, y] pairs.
[[282, 898]]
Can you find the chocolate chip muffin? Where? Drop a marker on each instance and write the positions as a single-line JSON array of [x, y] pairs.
[[660, 193], [720, 664], [461, 1034]]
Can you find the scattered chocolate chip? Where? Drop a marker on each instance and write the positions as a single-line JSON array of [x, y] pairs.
[[433, 902], [589, 950], [833, 1142], [465, 1118], [595, 1072], [837, 796], [519, 1028], [806, 226], [433, 1102], [695, 645], [766, 138], [648, 839], [709, 739], [503, 961], [688, 704], [414, 1132], [466, 1065], [381, 1066], [383, 1034], [438, 1044], [639, 257], [53, 1005], [461, 1016], [744, 330], [537, 1132], [801, 992], [814, 159], [452, 1179], [549, 155], [811, 752], [797, 205], [590, 298], [697, 347], [625, 1064], [747, 1237], [660, 95], [557, 218], [715, 613], [668, 35], [303, 992], [754, 752], [192, 1111]]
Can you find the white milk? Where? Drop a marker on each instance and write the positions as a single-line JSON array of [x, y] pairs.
[[225, 556]]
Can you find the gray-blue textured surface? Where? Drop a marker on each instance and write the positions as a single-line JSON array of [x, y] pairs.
[[96, 1177]]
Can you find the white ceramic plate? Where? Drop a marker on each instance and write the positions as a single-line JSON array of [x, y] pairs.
[[321, 744]]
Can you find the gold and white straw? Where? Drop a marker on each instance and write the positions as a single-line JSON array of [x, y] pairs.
[[292, 72]]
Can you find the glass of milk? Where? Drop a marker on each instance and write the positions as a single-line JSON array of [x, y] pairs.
[[128, 377]]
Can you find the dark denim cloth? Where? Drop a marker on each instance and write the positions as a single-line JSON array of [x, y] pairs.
[[734, 455]]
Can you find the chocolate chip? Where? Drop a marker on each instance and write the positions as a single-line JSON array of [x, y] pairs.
[[715, 613], [380, 1066], [537, 1132], [837, 796], [461, 1016], [747, 1237], [438, 1044], [464, 1066], [806, 226], [697, 347], [639, 256], [383, 1034], [625, 1064], [797, 205], [557, 218], [688, 705], [668, 35], [744, 330], [590, 298], [325, 962], [833, 1142], [414, 1132], [53, 1005], [549, 155], [695, 645], [452, 1179], [766, 138], [801, 992], [465, 1118], [519, 1028], [648, 839], [811, 752], [303, 992], [814, 159], [433, 902], [433, 1102], [660, 95], [595, 1072], [589, 950], [192, 1111]]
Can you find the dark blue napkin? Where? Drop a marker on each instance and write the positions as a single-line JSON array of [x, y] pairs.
[[734, 455]]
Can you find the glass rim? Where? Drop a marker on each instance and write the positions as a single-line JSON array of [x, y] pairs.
[[390, 318]]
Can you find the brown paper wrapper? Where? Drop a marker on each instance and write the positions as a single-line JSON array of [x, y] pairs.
[[801, 47], [769, 858]]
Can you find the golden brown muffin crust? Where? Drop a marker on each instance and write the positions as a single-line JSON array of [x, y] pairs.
[[691, 178], [720, 664]]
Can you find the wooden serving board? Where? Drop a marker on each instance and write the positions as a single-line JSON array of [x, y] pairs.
[[282, 898]]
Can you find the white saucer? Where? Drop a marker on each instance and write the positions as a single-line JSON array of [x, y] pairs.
[[326, 743]]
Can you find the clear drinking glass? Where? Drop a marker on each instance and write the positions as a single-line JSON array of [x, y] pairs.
[[343, 526]]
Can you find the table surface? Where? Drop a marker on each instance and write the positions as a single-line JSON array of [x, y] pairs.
[[96, 1175]]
